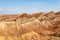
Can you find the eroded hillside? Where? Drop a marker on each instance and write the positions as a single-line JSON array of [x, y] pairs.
[[38, 26]]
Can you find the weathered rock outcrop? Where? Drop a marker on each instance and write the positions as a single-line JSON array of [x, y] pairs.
[[39, 26]]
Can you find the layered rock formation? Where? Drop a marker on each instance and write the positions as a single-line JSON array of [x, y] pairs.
[[39, 26]]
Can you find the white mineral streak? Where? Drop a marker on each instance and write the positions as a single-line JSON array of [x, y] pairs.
[[46, 24], [31, 23]]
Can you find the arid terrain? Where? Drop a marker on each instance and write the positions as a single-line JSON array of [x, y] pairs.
[[37, 26]]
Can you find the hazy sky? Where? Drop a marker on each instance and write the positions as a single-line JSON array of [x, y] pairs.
[[28, 6]]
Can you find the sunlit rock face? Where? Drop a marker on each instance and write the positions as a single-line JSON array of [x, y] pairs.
[[8, 27], [30, 36], [8, 30], [35, 36]]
